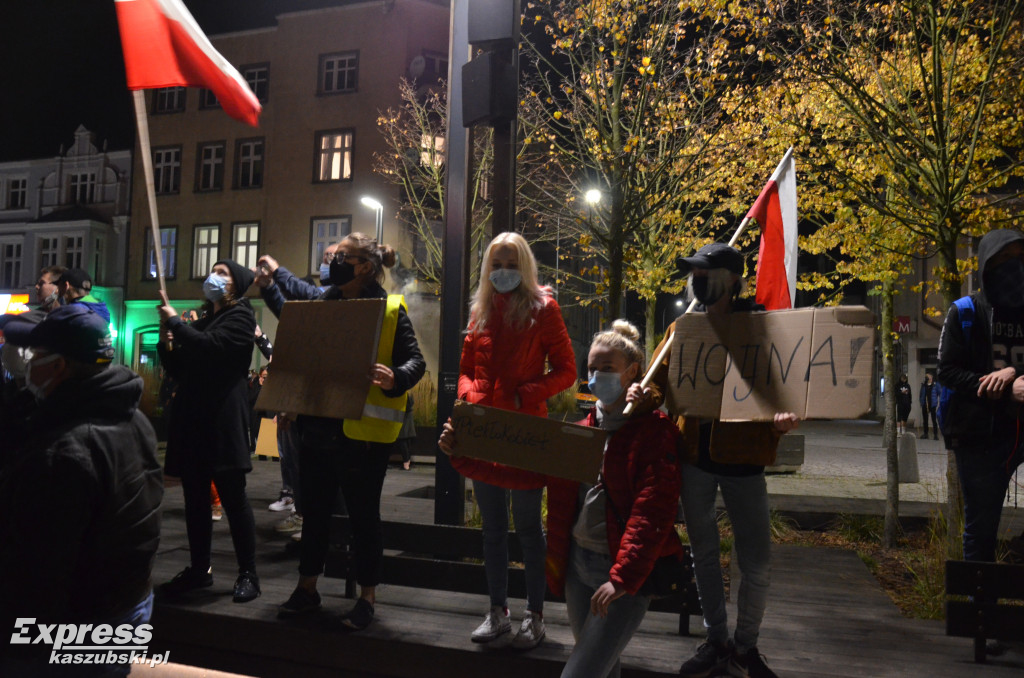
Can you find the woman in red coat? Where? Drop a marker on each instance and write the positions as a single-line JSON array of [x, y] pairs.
[[516, 355], [604, 539]]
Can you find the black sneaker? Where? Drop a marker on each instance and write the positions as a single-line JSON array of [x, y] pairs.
[[247, 587], [187, 580], [710, 659], [750, 663], [300, 602], [360, 616]]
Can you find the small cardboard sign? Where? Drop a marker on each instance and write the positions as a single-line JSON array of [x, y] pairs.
[[533, 443], [816, 362], [322, 358], [266, 439]]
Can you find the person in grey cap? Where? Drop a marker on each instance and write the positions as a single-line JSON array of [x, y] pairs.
[[80, 496], [731, 457]]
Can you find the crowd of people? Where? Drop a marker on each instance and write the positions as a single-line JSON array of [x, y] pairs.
[[81, 493]]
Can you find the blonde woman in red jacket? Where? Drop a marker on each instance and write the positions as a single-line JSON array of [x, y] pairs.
[[604, 539], [516, 355]]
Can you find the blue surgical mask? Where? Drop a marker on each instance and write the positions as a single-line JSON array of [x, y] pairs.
[[505, 279], [606, 386], [215, 287], [325, 274]]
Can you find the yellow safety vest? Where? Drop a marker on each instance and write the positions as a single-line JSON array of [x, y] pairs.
[[382, 416]]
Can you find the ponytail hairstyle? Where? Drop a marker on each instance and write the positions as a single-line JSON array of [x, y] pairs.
[[380, 256], [524, 300], [624, 337]]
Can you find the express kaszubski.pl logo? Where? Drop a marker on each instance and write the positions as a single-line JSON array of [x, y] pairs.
[[90, 644]]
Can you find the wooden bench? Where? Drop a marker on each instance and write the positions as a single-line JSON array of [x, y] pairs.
[[450, 558], [982, 617]]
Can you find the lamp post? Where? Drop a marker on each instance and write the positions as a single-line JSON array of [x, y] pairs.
[[379, 209]]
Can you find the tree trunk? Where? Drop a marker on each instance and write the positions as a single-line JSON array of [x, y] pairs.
[[650, 318], [951, 291], [892, 469]]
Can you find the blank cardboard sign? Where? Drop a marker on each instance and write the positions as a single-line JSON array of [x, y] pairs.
[[322, 358]]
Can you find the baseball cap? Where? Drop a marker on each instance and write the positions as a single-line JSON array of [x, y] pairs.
[[76, 277], [75, 331], [715, 255]]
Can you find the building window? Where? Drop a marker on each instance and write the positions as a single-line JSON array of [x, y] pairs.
[[169, 100], [17, 192], [210, 174], [436, 64], [49, 250], [167, 169], [326, 231], [207, 100], [98, 268], [334, 156], [74, 248], [83, 187], [249, 163], [246, 241], [205, 249], [10, 265], [258, 78], [168, 253], [432, 150], [339, 72]]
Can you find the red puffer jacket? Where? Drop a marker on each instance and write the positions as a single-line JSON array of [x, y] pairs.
[[641, 479], [500, 363]]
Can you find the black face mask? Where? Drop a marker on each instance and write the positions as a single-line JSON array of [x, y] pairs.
[[1004, 284], [703, 294], [342, 272]]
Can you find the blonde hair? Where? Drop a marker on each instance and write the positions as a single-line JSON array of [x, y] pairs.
[[623, 337], [524, 300], [380, 256]]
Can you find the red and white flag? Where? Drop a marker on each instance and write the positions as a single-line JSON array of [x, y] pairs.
[[164, 47], [775, 211]]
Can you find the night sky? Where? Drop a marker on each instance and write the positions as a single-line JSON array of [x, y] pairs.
[[62, 67]]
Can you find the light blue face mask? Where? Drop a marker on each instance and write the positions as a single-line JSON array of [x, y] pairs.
[[606, 386], [325, 275], [505, 279], [215, 287]]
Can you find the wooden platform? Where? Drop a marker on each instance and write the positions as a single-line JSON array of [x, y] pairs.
[[827, 617]]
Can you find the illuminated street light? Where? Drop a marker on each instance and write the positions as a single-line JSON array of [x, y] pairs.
[[379, 209], [593, 196]]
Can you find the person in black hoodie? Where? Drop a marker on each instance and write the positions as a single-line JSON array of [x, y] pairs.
[[983, 422], [208, 435], [353, 453], [80, 495]]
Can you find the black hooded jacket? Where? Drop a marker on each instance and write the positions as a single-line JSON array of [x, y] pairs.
[[972, 422], [80, 505]]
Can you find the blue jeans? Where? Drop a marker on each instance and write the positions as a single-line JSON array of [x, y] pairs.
[[984, 477], [599, 640], [746, 500], [493, 503]]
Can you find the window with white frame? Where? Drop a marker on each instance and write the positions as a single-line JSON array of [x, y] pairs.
[[207, 99], [167, 169], [339, 72], [17, 193], [258, 79], [326, 231], [98, 269], [245, 244], [49, 251], [436, 63], [205, 249], [168, 253], [83, 187], [10, 265], [74, 248], [249, 163], [210, 176], [432, 150], [334, 155], [169, 100]]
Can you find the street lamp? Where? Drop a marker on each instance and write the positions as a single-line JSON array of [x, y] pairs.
[[592, 196], [678, 306], [379, 209]]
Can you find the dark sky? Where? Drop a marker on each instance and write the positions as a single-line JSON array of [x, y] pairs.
[[62, 67]]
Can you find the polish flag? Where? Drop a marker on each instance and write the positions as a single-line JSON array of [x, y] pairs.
[[775, 211], [164, 47]]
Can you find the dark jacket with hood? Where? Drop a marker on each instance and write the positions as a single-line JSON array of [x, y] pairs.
[[80, 505], [972, 422]]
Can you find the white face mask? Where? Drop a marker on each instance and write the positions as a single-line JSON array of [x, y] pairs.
[[38, 390], [505, 279]]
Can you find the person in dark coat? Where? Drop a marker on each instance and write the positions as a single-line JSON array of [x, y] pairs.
[[929, 397], [904, 399], [209, 430]]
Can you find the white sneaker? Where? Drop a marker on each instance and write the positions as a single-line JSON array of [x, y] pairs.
[[496, 624], [285, 503], [531, 632], [292, 523]]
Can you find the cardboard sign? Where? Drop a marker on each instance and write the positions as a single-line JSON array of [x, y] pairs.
[[816, 362], [266, 440], [322, 358], [533, 443]]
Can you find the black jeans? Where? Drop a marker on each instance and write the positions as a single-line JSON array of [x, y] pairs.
[[358, 469], [985, 476], [935, 424], [231, 487]]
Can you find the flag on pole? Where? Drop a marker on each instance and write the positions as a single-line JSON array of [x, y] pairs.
[[775, 211], [164, 47]]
